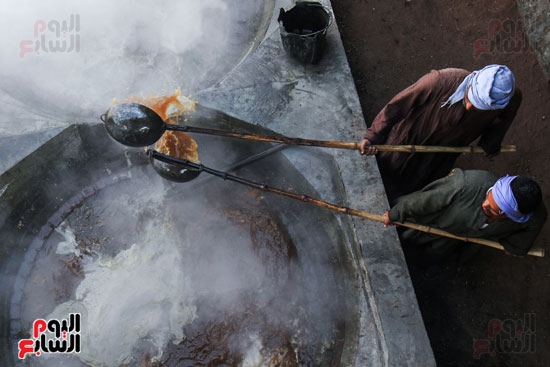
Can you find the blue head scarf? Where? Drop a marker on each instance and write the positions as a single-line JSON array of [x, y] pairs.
[[491, 88], [504, 198]]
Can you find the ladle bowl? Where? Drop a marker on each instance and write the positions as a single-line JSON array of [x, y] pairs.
[[174, 172], [136, 125], [133, 124]]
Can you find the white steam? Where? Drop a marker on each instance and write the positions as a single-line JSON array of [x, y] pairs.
[[67, 59], [168, 261], [253, 355], [140, 294], [69, 246]]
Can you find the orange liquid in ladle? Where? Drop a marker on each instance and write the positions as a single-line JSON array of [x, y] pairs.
[[176, 144]]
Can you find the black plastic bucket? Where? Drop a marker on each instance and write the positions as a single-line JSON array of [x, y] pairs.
[[303, 29]]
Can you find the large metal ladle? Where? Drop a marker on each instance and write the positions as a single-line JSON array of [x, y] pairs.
[[136, 125], [324, 204]]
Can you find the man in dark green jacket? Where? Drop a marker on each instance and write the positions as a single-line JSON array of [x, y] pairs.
[[473, 203]]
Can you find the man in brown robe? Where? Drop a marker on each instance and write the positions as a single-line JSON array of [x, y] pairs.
[[426, 113]]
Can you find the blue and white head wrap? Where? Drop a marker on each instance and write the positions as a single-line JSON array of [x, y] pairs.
[[491, 88], [504, 198]]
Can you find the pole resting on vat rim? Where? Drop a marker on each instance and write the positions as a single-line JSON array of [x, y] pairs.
[[538, 252]]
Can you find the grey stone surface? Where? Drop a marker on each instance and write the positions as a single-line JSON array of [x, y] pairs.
[[320, 102], [15, 148], [536, 20], [23, 129]]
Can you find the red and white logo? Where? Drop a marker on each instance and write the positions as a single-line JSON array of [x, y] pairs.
[[54, 336]]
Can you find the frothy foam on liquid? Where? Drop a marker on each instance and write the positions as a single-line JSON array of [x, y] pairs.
[[140, 294]]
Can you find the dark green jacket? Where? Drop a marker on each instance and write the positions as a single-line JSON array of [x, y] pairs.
[[453, 204]]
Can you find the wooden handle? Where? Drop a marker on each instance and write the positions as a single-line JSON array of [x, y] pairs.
[[538, 252], [439, 149], [338, 144]]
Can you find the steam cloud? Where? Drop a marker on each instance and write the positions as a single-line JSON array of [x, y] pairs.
[[142, 292], [189, 261], [65, 60]]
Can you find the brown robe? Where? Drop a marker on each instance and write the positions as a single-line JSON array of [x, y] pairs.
[[415, 116]]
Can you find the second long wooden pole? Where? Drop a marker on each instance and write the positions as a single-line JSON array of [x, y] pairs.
[[324, 204]]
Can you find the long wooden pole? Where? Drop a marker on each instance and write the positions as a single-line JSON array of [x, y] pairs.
[[538, 252], [335, 144], [324, 204]]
